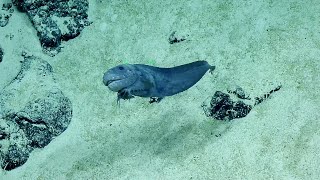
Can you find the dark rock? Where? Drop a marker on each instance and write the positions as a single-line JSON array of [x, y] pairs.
[[6, 6], [32, 112], [1, 54], [37, 133], [174, 39], [5, 14], [4, 19], [15, 157], [260, 99], [56, 20], [223, 107], [45, 117], [49, 33], [14, 149], [239, 92]]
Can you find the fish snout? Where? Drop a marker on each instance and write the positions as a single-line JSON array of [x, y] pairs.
[[119, 77], [106, 79], [114, 82], [109, 78], [107, 82]]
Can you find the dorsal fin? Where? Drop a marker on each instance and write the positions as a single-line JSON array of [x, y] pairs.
[[181, 68]]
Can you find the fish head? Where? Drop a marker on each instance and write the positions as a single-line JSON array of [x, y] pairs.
[[120, 77]]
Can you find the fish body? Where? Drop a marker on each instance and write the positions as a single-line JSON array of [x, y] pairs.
[[141, 80]]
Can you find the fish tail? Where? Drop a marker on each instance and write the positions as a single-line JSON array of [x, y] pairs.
[[211, 69]]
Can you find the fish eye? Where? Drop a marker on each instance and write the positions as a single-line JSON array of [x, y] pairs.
[[121, 68]]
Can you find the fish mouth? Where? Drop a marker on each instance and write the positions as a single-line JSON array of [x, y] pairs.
[[114, 82], [110, 81], [107, 82]]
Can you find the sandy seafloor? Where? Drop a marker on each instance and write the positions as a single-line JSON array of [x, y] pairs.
[[255, 44]]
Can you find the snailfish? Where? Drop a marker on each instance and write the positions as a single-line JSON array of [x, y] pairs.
[[141, 80]]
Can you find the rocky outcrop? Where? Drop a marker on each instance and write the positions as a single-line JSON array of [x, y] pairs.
[[56, 20], [33, 110]]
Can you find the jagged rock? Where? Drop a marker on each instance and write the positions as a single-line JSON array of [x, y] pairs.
[[55, 20], [33, 110], [223, 107], [173, 38]]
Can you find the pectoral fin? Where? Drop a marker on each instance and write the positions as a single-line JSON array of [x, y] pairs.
[[155, 99], [147, 84]]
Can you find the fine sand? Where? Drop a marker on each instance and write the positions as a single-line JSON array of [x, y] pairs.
[[256, 45]]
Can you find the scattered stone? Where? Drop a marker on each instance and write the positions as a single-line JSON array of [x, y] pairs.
[[173, 39], [33, 110], [10, 36], [223, 107], [6, 6], [56, 21]]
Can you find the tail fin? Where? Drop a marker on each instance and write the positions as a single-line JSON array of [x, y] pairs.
[[211, 69]]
